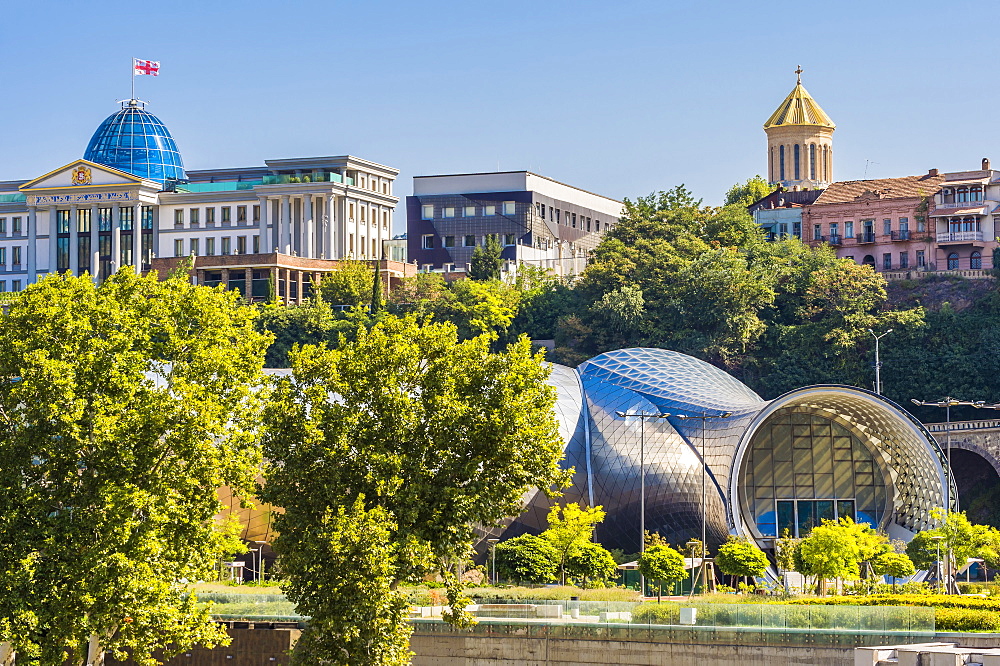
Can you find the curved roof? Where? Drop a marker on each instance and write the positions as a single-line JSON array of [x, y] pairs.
[[137, 142], [799, 108]]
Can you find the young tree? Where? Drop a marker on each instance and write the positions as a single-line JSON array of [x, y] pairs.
[[486, 261], [124, 407], [958, 536], [570, 527], [592, 563], [378, 298], [527, 559], [744, 194], [350, 284], [830, 551], [741, 557], [662, 564], [437, 433], [897, 565]]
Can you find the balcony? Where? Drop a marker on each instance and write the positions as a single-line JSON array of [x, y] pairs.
[[960, 237], [835, 240], [901, 235], [866, 237], [312, 177]]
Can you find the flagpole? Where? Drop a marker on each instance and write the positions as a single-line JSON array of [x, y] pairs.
[[133, 78]]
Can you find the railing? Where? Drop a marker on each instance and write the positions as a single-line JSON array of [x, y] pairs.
[[917, 273], [835, 240], [15, 197], [818, 239], [985, 424], [314, 177], [959, 236], [901, 235], [866, 237]]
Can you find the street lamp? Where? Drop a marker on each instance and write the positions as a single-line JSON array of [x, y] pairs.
[[704, 487], [878, 363], [937, 542], [493, 547], [642, 416], [691, 544]]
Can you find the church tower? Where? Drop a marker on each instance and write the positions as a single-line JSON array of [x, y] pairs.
[[799, 142]]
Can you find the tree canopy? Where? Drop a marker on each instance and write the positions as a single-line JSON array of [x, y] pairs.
[[741, 557], [570, 528], [527, 559], [124, 408], [438, 433], [662, 564]]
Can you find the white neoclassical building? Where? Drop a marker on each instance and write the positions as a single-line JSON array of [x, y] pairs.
[[130, 202]]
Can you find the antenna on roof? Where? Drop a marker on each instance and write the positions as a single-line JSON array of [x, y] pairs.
[[867, 162]]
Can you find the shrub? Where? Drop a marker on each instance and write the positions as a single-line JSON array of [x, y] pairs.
[[657, 613], [966, 619]]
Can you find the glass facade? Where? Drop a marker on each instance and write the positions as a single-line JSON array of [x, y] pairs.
[[137, 142]]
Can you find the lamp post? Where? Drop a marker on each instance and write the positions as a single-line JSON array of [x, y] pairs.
[[937, 562], [691, 544], [642, 416], [704, 487], [493, 548], [878, 362]]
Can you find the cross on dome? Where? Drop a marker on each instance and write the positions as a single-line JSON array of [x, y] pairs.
[[798, 74]]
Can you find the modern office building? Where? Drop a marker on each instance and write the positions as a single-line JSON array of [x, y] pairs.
[[539, 221], [819, 452], [131, 202]]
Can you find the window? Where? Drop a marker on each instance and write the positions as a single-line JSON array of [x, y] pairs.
[[817, 232], [427, 212], [241, 245], [976, 260], [209, 216], [62, 221], [812, 161], [850, 256], [179, 247], [449, 211], [256, 244], [427, 241], [350, 213], [3, 257], [588, 224], [887, 227], [489, 210], [449, 241], [469, 241], [179, 217], [15, 255], [904, 224], [953, 261], [781, 161], [3, 285], [962, 194], [508, 208], [227, 245], [904, 259], [227, 214], [508, 239], [797, 170], [834, 230], [210, 247], [921, 260], [194, 216], [848, 229], [385, 220], [15, 285], [597, 225], [194, 244], [541, 210], [574, 221], [921, 223], [976, 193], [3, 225], [256, 213], [241, 215], [887, 262], [15, 225]]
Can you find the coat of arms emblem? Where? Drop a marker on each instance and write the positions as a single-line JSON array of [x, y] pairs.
[[81, 176]]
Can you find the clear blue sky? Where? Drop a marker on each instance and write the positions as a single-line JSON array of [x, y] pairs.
[[621, 98]]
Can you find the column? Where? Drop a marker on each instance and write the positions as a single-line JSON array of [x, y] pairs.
[[52, 240], [116, 239], [32, 242], [301, 285], [74, 240], [95, 248], [248, 280], [137, 237], [156, 234], [265, 245], [286, 226], [331, 232], [308, 227], [225, 278]]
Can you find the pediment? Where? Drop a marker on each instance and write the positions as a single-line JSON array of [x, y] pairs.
[[81, 174]]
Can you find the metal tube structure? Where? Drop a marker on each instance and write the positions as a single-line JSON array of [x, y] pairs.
[[493, 557]]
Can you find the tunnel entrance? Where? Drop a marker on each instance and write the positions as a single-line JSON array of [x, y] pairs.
[[978, 487]]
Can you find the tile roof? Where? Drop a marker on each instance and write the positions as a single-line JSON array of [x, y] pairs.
[[848, 191]]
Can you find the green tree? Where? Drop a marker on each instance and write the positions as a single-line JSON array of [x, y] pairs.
[[378, 298], [124, 408], [830, 551], [309, 323], [486, 261], [570, 527], [527, 559], [474, 307], [350, 284], [592, 564], [437, 433], [959, 540], [741, 557], [897, 565], [744, 194], [662, 564]]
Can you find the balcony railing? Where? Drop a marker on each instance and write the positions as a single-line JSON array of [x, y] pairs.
[[835, 240], [901, 235], [819, 239], [314, 177], [866, 237], [959, 236]]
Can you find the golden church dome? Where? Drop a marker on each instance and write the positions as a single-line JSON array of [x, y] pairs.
[[799, 108]]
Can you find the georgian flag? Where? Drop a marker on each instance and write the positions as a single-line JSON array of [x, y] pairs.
[[145, 67]]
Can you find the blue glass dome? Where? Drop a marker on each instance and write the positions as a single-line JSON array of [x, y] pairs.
[[137, 142]]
